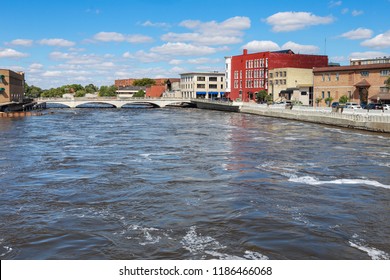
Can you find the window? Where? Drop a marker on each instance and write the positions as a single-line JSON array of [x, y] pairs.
[[271, 75], [213, 86], [328, 94], [328, 77], [364, 73], [235, 74], [337, 76], [213, 79], [323, 94], [385, 72], [323, 77], [201, 79], [201, 86], [221, 79], [284, 74]]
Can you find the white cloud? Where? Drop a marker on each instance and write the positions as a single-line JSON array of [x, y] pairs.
[[369, 54], [148, 23], [182, 49], [380, 41], [11, 53], [359, 33], [175, 61], [297, 48], [261, 46], [229, 31], [60, 55], [291, 21], [57, 42], [146, 57], [357, 13], [335, 3], [21, 42], [118, 37], [52, 74]]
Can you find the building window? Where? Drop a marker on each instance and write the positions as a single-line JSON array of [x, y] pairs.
[[364, 73], [329, 77], [213, 86], [240, 74], [385, 72], [323, 77], [201, 79], [284, 74], [235, 74], [221, 79], [201, 86], [328, 94], [337, 76], [213, 79], [323, 94]]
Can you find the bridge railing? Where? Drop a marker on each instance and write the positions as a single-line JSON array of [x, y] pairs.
[[108, 98]]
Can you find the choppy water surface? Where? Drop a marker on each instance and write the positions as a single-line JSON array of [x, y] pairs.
[[190, 184]]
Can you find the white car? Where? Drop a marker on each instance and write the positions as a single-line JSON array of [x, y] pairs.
[[352, 105], [386, 106]]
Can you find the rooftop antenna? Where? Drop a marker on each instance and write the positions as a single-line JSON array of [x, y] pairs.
[[325, 45]]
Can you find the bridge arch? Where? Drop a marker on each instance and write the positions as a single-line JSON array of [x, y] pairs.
[[140, 103], [56, 105], [96, 104]]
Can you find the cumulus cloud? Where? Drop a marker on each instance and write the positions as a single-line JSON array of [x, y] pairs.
[[357, 34], [380, 41], [182, 49], [229, 31], [21, 42], [57, 42], [261, 46], [291, 21], [118, 37], [11, 53], [298, 48], [369, 54]]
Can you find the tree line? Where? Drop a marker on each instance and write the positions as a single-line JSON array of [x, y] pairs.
[[76, 89], [80, 91]]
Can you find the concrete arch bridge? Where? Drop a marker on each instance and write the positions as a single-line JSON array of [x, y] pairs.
[[116, 102]]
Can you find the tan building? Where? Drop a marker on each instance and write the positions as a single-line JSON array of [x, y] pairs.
[[294, 84], [11, 86], [360, 83], [207, 85]]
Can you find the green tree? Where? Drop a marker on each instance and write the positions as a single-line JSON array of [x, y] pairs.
[[32, 91], [140, 93], [387, 82], [145, 82], [80, 93], [329, 100], [343, 99], [262, 96], [91, 88], [318, 100], [107, 91]]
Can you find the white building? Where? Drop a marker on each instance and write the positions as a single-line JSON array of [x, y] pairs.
[[228, 69], [208, 85]]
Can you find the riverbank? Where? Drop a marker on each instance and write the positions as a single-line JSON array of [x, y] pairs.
[[374, 120]]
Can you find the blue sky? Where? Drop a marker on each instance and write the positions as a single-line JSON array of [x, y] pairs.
[[85, 41]]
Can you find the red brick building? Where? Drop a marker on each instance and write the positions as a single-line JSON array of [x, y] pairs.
[[249, 72]]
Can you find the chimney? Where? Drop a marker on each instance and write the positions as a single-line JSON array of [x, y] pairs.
[[245, 52]]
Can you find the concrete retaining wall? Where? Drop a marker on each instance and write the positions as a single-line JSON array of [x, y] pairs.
[[373, 121]]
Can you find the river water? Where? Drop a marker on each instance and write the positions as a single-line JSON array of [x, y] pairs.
[[190, 184]]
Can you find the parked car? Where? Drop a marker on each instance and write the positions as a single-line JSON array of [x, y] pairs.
[[374, 106], [352, 105], [338, 105], [335, 104], [386, 106]]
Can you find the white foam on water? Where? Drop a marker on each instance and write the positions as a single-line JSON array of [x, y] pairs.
[[196, 243], [374, 253], [6, 249], [313, 181]]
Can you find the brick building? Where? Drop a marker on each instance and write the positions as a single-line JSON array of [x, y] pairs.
[[11, 86], [249, 72], [361, 83]]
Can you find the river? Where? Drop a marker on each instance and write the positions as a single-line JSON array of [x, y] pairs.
[[190, 184]]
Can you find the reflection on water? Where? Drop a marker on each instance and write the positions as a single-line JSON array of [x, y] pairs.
[[190, 184]]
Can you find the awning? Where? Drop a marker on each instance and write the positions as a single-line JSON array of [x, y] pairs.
[[2, 89], [380, 96], [200, 93], [213, 93], [363, 83]]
